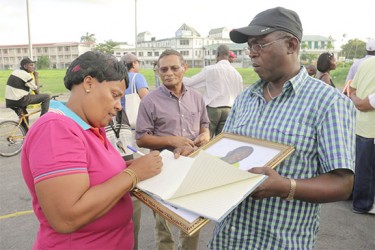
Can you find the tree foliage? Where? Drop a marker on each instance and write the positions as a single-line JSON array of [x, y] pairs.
[[354, 48], [88, 37], [43, 62], [107, 47]]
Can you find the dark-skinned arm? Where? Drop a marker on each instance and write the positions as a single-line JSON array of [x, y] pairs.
[[329, 187]]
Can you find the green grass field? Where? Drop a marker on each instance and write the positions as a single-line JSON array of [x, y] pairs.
[[53, 80]]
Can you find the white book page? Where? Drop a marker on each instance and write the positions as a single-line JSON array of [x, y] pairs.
[[217, 203], [187, 215], [209, 172], [171, 176]]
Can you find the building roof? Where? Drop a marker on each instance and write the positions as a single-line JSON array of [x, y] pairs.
[[186, 27], [217, 30]]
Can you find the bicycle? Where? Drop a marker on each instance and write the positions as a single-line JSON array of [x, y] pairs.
[[12, 133]]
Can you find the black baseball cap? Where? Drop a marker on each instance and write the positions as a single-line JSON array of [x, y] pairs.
[[26, 61], [269, 21]]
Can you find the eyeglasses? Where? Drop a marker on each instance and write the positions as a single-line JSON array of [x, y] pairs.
[[258, 47], [174, 69]]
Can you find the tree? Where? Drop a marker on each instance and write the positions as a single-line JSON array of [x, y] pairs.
[[43, 62], [355, 48], [88, 38], [330, 43], [107, 47]]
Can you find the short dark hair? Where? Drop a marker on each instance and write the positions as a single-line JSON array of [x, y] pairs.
[[222, 50], [103, 67], [170, 52], [324, 62]]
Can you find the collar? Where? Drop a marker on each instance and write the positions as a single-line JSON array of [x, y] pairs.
[[167, 92], [295, 83], [61, 108]]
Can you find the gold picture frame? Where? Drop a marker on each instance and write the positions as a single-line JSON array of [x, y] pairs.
[[187, 227], [272, 154]]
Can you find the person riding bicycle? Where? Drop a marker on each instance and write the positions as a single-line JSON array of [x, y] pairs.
[[19, 84]]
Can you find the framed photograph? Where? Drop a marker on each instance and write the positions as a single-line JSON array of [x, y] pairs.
[[246, 152], [241, 152]]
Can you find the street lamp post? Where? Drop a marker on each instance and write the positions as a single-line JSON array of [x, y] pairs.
[[135, 27], [29, 31]]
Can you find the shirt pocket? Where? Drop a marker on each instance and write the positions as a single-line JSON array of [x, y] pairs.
[[300, 135]]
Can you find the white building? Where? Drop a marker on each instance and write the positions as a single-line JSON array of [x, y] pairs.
[[196, 50], [59, 54], [199, 51]]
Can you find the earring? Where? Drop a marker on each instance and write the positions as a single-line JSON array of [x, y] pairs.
[[87, 91]]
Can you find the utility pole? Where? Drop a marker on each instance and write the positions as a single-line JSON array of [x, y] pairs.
[[29, 31], [135, 27]]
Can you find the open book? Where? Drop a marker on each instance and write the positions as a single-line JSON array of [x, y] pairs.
[[205, 185]]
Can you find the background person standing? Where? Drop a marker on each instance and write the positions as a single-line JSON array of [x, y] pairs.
[[363, 87], [370, 48], [232, 57], [222, 84], [326, 63], [132, 64]]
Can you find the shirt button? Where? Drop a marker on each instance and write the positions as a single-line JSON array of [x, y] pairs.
[[232, 228], [184, 130], [182, 115], [260, 123]]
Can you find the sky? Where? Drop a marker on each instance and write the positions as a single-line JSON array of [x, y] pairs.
[[67, 20]]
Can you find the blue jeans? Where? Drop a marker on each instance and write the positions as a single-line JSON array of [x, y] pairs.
[[364, 182]]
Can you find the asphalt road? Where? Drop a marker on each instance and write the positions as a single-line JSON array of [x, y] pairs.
[[339, 227]]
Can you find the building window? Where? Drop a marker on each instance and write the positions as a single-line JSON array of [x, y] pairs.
[[45, 50], [185, 52], [18, 51], [59, 49], [39, 50], [140, 53], [149, 53], [184, 42], [156, 53], [66, 48]]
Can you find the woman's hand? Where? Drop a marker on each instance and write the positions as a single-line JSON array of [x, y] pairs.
[[147, 166]]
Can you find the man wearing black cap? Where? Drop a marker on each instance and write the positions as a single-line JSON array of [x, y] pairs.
[[19, 84], [288, 106]]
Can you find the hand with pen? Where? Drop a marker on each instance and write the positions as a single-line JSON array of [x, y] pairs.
[[146, 166]]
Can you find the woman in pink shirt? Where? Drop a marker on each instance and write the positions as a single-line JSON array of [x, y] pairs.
[[78, 182]]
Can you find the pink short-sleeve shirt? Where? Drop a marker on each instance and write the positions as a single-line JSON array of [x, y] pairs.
[[60, 143]]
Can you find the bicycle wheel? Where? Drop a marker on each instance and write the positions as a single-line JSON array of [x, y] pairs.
[[11, 138]]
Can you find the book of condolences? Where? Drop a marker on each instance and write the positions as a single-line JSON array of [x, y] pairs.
[[210, 183]]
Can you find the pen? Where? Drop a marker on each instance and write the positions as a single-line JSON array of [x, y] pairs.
[[135, 150]]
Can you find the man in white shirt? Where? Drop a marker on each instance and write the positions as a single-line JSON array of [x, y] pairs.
[[222, 84]]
